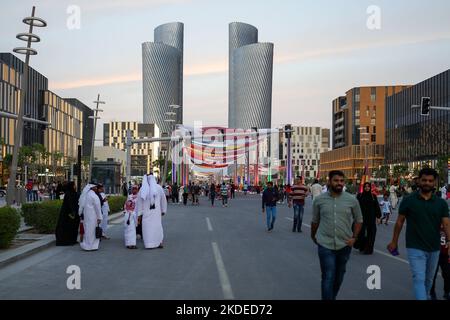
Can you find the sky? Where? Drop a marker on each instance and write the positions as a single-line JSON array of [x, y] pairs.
[[322, 48]]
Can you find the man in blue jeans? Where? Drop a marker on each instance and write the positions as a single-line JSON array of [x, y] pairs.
[[297, 200], [269, 204], [334, 213], [424, 212]]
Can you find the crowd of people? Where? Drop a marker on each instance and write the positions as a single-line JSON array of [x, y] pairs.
[[340, 221], [86, 218], [38, 191]]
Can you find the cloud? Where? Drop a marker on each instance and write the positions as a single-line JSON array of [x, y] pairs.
[[209, 68], [103, 5], [394, 42]]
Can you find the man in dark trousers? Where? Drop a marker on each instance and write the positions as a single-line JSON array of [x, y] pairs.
[[334, 213], [269, 205], [296, 198], [424, 213]]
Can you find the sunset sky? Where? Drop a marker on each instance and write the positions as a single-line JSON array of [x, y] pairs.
[[322, 49]]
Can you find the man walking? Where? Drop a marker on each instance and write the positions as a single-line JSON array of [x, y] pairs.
[[334, 212], [316, 189], [424, 213], [224, 194], [269, 204], [297, 200]]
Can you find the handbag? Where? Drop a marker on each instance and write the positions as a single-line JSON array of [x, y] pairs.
[[98, 232]]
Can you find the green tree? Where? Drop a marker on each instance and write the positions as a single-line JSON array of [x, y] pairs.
[[441, 168], [56, 157], [400, 171]]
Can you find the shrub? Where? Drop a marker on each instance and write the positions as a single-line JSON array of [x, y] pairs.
[[43, 216], [116, 203], [9, 225]]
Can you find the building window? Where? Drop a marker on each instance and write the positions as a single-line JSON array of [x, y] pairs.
[[373, 94]]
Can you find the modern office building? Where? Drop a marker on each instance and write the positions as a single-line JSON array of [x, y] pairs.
[[11, 73], [67, 120], [142, 154], [307, 143], [358, 131], [414, 139], [65, 133], [162, 69], [88, 125], [250, 78]]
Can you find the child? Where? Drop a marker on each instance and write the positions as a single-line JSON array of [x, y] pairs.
[[130, 222], [386, 209]]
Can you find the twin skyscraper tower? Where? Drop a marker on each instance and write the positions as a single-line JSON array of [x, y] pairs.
[[249, 84]]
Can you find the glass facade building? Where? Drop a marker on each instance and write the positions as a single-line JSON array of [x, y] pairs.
[[67, 118], [66, 130], [411, 137], [11, 71]]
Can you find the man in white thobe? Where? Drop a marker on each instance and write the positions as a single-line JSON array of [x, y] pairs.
[[444, 192], [89, 207], [151, 205], [105, 211], [393, 196]]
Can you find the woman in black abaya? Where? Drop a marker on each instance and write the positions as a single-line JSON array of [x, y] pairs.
[[69, 220], [370, 209]]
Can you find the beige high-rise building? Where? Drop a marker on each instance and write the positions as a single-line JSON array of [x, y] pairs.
[[307, 143]]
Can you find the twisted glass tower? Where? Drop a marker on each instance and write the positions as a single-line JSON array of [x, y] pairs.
[[250, 78], [162, 74]]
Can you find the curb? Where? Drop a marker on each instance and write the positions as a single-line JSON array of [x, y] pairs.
[[46, 241], [27, 250]]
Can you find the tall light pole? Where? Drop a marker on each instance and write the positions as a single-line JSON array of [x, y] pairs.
[[29, 38], [172, 127], [95, 117]]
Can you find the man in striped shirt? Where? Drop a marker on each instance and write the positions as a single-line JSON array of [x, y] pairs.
[[297, 200]]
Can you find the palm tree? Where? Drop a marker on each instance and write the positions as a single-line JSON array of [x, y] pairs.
[[441, 168], [56, 157]]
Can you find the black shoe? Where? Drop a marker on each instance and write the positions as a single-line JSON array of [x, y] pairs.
[[446, 296], [433, 296], [300, 230]]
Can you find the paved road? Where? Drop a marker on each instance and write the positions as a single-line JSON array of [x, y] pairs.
[[209, 253]]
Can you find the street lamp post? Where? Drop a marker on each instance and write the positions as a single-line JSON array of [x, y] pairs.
[[29, 38], [95, 117], [172, 127]]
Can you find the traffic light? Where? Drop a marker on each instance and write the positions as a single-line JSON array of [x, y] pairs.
[[425, 106], [288, 127]]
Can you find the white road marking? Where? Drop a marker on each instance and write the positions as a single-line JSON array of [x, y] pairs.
[[224, 281], [391, 256], [378, 251], [209, 224], [306, 225]]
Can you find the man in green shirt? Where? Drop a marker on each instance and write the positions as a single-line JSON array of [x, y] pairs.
[[334, 213], [424, 212]]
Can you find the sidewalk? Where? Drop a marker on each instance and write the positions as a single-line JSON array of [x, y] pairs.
[[37, 242]]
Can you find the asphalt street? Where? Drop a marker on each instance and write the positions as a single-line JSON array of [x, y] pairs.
[[209, 253]]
